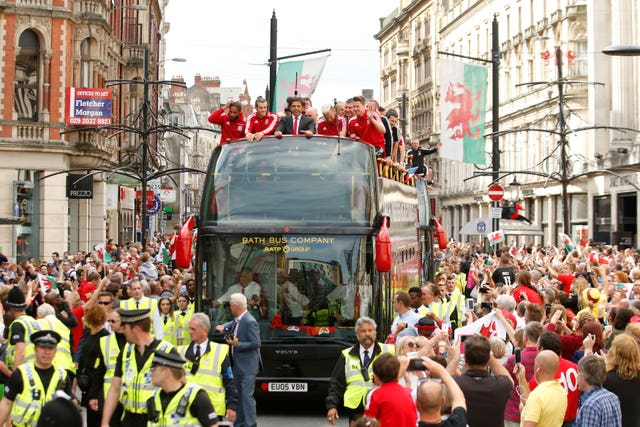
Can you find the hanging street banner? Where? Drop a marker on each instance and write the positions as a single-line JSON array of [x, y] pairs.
[[88, 106], [297, 78], [463, 100]]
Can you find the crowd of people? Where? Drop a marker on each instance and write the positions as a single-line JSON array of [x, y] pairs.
[[528, 336], [116, 331]]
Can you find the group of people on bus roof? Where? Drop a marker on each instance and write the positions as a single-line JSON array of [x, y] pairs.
[[356, 117]]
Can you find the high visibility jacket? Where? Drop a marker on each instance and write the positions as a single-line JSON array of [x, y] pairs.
[[26, 408], [110, 351], [136, 386], [357, 385], [30, 326], [209, 373], [170, 329], [143, 304], [182, 326], [441, 309], [177, 412], [63, 357], [456, 302]]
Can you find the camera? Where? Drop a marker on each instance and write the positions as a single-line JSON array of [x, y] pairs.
[[483, 289], [486, 307], [416, 365], [228, 337]]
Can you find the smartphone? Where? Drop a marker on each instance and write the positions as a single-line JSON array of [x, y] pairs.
[[416, 365], [518, 355], [470, 304]]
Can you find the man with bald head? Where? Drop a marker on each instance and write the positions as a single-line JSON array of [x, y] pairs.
[[546, 405], [430, 398]]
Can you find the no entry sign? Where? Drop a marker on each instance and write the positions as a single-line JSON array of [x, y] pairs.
[[496, 192]]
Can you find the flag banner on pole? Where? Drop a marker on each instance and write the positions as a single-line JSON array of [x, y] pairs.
[[463, 100], [496, 237], [301, 76], [513, 251], [487, 326]]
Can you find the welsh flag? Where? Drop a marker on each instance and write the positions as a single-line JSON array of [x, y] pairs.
[[487, 326], [163, 254], [513, 251], [496, 237], [463, 93], [47, 282], [297, 78], [103, 253], [567, 241]]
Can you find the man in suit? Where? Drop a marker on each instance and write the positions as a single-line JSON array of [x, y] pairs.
[[243, 335], [297, 123], [209, 366]]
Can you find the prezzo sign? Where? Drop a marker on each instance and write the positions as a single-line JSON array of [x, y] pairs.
[[79, 186], [88, 107]]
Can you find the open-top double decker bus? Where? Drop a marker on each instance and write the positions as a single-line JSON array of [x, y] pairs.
[[301, 216]]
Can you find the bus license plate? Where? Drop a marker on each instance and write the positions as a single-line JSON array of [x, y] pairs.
[[288, 387]]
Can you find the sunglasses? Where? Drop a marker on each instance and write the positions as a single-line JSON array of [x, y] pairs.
[[413, 345], [104, 303]]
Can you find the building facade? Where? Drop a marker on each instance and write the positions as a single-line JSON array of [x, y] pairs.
[[599, 166], [48, 46]]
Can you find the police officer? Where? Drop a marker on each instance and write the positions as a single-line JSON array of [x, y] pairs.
[[18, 348], [131, 383], [209, 366], [105, 368], [178, 402], [352, 374], [34, 383]]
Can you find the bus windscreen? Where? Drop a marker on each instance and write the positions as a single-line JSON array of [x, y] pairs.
[[290, 181]]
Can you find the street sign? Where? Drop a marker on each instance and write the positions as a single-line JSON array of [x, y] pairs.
[[155, 208], [481, 227], [496, 192], [496, 213]]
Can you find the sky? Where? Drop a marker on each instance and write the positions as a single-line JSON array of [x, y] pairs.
[[230, 39]]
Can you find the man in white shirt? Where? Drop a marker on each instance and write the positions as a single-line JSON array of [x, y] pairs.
[[404, 323], [245, 286]]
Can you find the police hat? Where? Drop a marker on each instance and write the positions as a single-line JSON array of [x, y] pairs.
[[15, 299], [45, 338], [60, 412], [133, 316], [171, 359]]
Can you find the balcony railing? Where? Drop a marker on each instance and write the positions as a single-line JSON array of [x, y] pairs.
[[34, 2], [30, 132]]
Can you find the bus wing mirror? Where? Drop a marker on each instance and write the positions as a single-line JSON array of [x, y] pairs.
[[383, 247]]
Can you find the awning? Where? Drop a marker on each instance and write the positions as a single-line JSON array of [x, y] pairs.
[[483, 226]]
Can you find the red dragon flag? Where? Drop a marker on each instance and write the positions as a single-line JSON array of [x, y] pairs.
[[463, 100], [297, 78]]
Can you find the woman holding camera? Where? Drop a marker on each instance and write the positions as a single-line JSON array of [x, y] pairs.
[[525, 287]]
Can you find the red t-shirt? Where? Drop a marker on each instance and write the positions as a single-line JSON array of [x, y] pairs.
[[567, 281], [77, 331], [334, 128], [570, 343], [365, 131], [84, 289], [532, 295], [392, 405], [567, 373]]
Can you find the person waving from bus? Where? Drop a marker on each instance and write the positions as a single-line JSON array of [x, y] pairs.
[[231, 120], [331, 123], [367, 125], [260, 123], [297, 123]]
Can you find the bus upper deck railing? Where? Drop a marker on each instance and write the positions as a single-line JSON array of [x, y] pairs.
[[387, 169]]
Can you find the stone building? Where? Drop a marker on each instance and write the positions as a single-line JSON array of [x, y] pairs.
[[597, 91], [47, 47]]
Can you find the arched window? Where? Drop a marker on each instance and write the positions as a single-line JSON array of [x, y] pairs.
[[27, 92], [85, 63]]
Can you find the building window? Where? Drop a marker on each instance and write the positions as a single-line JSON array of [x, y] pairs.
[[85, 63], [27, 91]]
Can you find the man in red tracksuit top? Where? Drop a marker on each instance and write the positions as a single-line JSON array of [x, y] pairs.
[[261, 123], [231, 120], [367, 126], [331, 123]]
